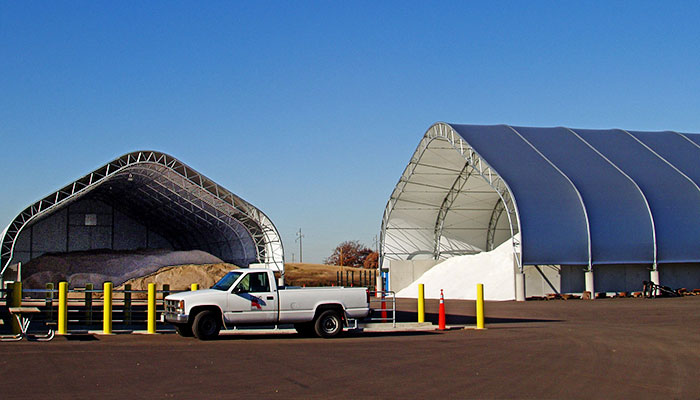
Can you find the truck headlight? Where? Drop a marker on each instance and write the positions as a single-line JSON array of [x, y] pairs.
[[181, 306]]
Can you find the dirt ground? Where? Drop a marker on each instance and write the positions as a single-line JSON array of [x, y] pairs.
[[612, 348]]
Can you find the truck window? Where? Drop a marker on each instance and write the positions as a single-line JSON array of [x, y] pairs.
[[258, 282], [244, 285], [226, 282], [253, 282]]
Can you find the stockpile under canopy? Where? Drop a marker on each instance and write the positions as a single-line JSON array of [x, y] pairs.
[[578, 196], [177, 205]]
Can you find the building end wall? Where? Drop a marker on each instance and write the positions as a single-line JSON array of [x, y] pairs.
[[404, 272], [84, 225], [541, 280]]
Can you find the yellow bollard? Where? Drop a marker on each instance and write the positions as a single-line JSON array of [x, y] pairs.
[[15, 300], [421, 303], [62, 308], [151, 308], [107, 313], [17, 294], [480, 306], [194, 286]]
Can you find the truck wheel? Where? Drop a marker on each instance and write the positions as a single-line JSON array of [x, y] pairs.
[[305, 329], [328, 324], [184, 330], [206, 325]]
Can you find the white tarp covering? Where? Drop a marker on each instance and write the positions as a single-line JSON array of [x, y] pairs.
[[458, 276]]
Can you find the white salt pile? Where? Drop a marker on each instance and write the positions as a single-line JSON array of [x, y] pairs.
[[458, 276]]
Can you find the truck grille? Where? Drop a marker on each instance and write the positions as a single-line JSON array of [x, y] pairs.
[[171, 306]]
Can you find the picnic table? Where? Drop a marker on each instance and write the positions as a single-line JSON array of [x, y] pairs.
[[24, 318]]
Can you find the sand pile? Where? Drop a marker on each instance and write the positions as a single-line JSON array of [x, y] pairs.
[[458, 276], [98, 266], [181, 277]]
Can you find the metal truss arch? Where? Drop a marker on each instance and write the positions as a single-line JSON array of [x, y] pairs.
[[400, 239], [447, 204], [165, 188]]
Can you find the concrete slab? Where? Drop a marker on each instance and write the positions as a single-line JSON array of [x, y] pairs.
[[400, 327]]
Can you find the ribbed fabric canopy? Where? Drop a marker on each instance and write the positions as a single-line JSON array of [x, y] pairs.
[[578, 196]]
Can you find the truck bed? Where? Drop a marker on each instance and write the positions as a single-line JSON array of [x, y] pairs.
[[299, 304]]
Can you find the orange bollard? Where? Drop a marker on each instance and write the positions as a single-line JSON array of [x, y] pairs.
[[441, 317]]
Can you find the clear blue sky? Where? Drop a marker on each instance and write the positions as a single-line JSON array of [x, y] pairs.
[[311, 110]]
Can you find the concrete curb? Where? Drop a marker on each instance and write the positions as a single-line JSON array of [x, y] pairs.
[[400, 327]]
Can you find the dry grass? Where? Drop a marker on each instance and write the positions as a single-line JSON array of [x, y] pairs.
[[302, 274], [296, 274]]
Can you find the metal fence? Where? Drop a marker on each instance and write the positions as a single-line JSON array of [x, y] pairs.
[[85, 306], [128, 308], [383, 306], [366, 279]]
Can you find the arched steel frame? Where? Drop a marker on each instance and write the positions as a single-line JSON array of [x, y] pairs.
[[447, 204], [475, 165], [192, 196]]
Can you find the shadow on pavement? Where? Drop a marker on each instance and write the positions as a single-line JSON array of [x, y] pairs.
[[389, 334], [79, 337], [455, 319], [345, 335]]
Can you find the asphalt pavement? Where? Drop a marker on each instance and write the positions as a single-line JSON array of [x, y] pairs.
[[608, 348]]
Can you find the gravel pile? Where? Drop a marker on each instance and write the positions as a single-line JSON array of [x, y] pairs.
[[180, 277], [98, 266]]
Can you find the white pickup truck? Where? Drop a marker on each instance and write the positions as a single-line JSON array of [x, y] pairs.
[[251, 297]]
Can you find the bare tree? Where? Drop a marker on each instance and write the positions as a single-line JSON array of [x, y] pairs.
[[371, 261]]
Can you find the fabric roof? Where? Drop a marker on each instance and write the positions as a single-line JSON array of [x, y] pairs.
[[578, 196]]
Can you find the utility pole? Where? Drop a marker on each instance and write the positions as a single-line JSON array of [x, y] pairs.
[[299, 236]]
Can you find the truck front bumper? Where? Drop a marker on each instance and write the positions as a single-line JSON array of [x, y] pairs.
[[174, 318]]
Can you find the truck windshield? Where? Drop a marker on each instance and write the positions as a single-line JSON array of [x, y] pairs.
[[226, 282]]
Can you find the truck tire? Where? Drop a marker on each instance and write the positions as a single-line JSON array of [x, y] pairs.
[[305, 329], [328, 324], [184, 330], [206, 325]]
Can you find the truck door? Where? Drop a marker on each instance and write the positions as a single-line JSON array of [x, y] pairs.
[[252, 301]]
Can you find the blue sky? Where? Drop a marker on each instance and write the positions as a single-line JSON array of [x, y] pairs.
[[311, 110]]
